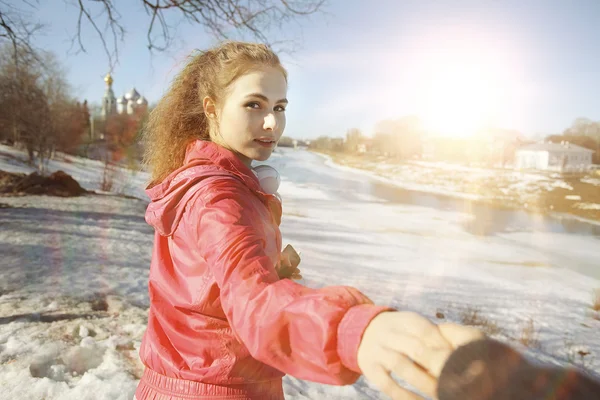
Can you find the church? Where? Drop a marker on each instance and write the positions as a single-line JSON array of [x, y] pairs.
[[114, 112], [131, 103]]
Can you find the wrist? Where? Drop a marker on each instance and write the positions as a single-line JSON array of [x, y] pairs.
[[351, 330]]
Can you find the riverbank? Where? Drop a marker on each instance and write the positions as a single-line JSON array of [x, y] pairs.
[[540, 192]]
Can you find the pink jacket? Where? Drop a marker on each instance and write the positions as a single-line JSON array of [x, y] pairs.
[[219, 314]]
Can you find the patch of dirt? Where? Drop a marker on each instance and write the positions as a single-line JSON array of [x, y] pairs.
[[57, 184], [8, 179]]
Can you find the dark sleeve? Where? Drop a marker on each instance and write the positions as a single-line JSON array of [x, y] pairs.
[[490, 370]]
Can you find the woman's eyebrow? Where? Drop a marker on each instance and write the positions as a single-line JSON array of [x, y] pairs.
[[265, 98]]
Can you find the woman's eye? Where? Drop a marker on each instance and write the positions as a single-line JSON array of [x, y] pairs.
[[280, 108], [253, 104]]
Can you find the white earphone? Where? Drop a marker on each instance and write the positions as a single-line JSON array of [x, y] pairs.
[[268, 177]]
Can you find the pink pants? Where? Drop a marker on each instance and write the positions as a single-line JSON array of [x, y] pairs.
[[154, 386]]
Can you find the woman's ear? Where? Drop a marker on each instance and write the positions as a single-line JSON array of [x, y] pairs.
[[210, 108]]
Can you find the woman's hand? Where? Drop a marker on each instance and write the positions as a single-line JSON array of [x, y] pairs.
[[411, 347], [288, 264]]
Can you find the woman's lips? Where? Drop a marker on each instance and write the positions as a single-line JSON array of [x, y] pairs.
[[265, 143]]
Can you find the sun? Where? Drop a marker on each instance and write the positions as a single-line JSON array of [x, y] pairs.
[[458, 97]]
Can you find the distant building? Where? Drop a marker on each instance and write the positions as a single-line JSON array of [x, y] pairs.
[[562, 156], [300, 143], [109, 103], [365, 145], [130, 103], [131, 106]]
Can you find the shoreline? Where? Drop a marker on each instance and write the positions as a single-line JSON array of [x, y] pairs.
[[472, 197]]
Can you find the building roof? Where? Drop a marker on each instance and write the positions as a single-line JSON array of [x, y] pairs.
[[132, 94], [555, 147], [108, 79]]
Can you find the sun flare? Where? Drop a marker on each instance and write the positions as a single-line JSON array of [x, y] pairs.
[[458, 97]]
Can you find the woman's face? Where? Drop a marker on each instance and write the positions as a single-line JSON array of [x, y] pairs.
[[251, 117]]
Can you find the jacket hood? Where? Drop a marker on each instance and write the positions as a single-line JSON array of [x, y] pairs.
[[203, 159]]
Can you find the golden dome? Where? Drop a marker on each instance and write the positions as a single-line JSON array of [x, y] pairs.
[[108, 79]]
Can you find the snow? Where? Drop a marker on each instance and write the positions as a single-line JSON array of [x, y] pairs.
[[490, 184], [390, 178], [591, 181], [588, 206], [86, 171], [73, 282]]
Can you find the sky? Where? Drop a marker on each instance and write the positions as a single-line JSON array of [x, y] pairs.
[[458, 64]]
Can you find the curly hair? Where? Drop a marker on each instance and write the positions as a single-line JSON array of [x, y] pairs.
[[179, 117]]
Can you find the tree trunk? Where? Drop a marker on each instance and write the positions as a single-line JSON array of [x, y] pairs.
[[15, 130]]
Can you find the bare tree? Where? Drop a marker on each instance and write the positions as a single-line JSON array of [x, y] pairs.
[[354, 138], [583, 132], [400, 137], [220, 18], [16, 29], [67, 119], [584, 127], [36, 108], [23, 107]]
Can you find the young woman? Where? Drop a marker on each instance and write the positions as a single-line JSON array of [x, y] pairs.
[[224, 321]]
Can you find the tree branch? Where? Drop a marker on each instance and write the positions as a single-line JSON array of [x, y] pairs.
[[17, 31], [112, 22], [221, 18], [315, 7]]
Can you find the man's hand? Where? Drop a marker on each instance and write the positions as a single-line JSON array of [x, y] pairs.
[[411, 347]]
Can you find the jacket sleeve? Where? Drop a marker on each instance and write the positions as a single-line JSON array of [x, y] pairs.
[[503, 373], [311, 334]]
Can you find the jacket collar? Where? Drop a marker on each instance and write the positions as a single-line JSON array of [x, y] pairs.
[[203, 159], [200, 150]]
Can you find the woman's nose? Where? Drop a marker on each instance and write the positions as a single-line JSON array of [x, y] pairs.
[[270, 122]]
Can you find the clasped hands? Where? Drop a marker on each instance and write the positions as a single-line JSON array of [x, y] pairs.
[[413, 348]]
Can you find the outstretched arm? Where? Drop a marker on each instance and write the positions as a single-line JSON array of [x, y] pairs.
[[329, 335], [308, 333]]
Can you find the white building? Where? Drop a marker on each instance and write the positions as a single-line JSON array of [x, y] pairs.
[[562, 156], [109, 103], [130, 103]]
